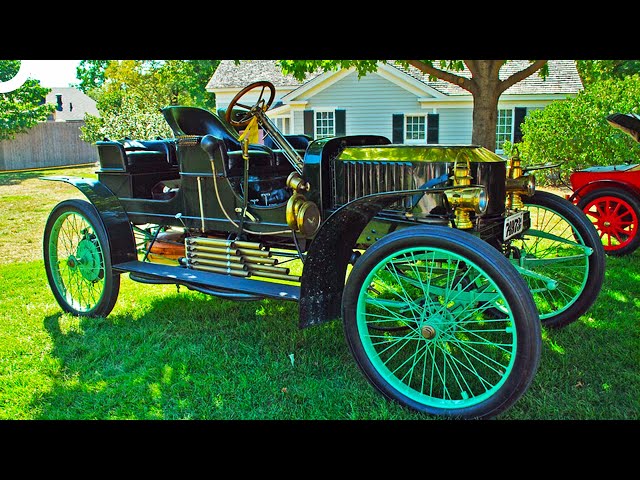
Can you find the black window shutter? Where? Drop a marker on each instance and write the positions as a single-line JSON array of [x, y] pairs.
[[398, 128], [433, 128], [308, 120], [518, 118], [341, 123]]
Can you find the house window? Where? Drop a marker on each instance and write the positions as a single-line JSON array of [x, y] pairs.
[[415, 129], [504, 129], [325, 124], [283, 124]]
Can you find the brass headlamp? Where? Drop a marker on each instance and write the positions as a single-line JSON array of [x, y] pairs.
[[302, 215], [517, 183], [465, 201]]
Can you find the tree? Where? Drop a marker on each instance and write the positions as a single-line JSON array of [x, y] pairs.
[[478, 77], [131, 93], [23, 108], [575, 131], [595, 70], [91, 74]]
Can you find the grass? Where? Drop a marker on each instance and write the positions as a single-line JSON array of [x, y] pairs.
[[168, 354]]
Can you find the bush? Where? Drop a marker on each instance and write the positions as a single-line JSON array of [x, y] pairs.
[[576, 133]]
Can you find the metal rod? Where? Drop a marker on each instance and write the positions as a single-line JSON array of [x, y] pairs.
[[289, 152], [264, 260], [219, 242], [218, 263], [200, 199], [227, 271], [221, 250], [254, 253], [292, 278], [215, 256], [267, 268], [252, 245]]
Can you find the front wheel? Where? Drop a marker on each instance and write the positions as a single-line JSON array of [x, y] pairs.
[[78, 261], [615, 214], [419, 312], [561, 258]]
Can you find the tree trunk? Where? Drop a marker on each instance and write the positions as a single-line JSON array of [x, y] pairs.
[[486, 92], [485, 118]]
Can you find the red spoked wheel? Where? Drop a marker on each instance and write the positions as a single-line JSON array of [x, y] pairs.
[[615, 215]]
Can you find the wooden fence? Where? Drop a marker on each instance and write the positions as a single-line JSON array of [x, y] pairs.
[[48, 144]]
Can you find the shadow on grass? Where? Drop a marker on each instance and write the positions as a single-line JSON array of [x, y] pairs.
[[589, 368], [15, 178], [189, 356]]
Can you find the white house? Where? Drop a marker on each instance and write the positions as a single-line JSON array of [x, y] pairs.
[[402, 105]]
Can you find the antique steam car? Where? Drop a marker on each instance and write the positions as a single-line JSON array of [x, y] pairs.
[[610, 195], [441, 260]]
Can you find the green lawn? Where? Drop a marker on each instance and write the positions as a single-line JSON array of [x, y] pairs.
[[168, 354]]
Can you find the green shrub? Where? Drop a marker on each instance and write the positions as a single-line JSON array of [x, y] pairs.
[[576, 133]]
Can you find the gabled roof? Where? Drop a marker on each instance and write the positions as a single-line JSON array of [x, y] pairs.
[[563, 77], [74, 104], [230, 75]]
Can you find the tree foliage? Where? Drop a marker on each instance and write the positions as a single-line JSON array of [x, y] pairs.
[[575, 131], [91, 75], [595, 70], [130, 94], [478, 77], [23, 108]]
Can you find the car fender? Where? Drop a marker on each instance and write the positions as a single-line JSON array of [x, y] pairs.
[[325, 267], [598, 184], [111, 213]]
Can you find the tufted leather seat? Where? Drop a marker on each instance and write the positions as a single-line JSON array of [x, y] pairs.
[[198, 121], [150, 155]]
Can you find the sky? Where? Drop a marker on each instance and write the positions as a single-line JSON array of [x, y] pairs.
[[52, 73]]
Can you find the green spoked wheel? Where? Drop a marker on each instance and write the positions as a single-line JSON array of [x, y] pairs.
[[561, 257], [77, 260], [420, 319]]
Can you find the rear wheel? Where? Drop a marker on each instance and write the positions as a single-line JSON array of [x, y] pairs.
[[561, 259], [615, 214], [78, 261], [419, 317]]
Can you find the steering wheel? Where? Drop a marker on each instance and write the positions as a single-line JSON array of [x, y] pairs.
[[260, 103]]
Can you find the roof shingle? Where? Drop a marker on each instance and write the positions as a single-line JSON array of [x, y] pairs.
[[563, 77], [74, 103]]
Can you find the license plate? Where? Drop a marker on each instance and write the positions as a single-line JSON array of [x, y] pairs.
[[513, 225]]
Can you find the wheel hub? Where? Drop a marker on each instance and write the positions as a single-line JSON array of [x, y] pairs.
[[439, 326], [72, 262], [428, 332], [87, 260]]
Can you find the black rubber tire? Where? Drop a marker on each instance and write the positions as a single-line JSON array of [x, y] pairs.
[[498, 269], [109, 282], [631, 200], [596, 262]]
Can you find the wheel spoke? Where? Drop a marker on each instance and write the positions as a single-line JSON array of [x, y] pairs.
[[555, 250], [77, 261], [468, 353]]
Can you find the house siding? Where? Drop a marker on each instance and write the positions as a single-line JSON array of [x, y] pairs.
[[455, 125], [369, 102]]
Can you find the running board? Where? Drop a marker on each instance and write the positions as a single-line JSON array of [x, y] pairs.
[[188, 276]]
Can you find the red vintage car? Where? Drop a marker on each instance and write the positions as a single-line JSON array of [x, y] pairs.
[[610, 195]]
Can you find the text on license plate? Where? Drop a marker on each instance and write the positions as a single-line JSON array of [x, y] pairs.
[[513, 225]]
